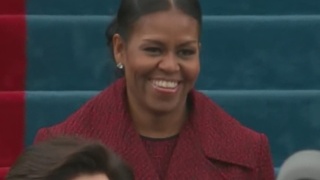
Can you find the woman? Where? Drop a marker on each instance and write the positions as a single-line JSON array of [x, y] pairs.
[[69, 158], [152, 117]]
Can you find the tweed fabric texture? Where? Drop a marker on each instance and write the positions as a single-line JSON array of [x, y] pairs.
[[211, 145]]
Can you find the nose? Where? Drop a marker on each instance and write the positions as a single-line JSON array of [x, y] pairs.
[[169, 64]]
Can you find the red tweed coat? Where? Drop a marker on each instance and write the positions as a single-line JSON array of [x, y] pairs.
[[212, 145]]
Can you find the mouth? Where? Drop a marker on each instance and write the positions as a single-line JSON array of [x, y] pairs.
[[165, 86]]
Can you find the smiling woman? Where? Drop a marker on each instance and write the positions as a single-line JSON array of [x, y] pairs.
[[161, 62], [152, 116]]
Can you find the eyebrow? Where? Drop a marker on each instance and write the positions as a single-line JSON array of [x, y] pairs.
[[161, 43]]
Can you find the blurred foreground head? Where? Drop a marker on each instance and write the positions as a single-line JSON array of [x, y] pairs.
[[69, 158], [303, 165]]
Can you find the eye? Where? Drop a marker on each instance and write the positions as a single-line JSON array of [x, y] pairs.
[[154, 51], [184, 53]]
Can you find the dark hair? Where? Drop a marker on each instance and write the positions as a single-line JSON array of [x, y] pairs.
[[131, 10], [64, 158]]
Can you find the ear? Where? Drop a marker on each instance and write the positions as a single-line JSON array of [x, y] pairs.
[[118, 48]]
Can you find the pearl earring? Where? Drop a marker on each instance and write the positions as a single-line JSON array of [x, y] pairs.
[[120, 66]]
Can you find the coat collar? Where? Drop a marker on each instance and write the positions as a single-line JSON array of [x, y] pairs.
[[221, 136]]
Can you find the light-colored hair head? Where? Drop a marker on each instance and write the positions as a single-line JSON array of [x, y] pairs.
[[302, 165]]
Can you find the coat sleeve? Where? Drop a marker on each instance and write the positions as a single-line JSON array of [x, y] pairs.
[[266, 169], [62, 129]]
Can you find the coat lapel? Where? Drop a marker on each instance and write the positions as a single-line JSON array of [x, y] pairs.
[[189, 161], [136, 155], [211, 145], [120, 134], [222, 138]]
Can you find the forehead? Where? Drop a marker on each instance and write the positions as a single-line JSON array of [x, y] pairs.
[[172, 23], [91, 177]]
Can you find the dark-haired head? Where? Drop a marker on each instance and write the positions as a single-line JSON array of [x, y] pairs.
[[131, 10], [68, 158]]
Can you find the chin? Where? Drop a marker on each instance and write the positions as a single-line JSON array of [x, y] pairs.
[[163, 107]]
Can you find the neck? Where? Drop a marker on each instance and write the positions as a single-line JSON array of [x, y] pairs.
[[158, 125]]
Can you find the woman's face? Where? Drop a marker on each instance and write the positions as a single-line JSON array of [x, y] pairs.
[[161, 59]]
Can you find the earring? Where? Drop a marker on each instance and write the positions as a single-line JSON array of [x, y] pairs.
[[120, 66]]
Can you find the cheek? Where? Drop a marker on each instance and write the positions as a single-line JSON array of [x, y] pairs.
[[131, 63], [137, 64], [191, 70]]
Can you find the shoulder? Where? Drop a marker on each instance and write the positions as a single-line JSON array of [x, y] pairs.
[[77, 123], [211, 117], [85, 120]]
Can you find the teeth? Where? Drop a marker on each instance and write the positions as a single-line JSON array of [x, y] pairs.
[[165, 84]]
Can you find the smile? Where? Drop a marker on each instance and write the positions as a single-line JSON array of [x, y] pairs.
[[165, 84]]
